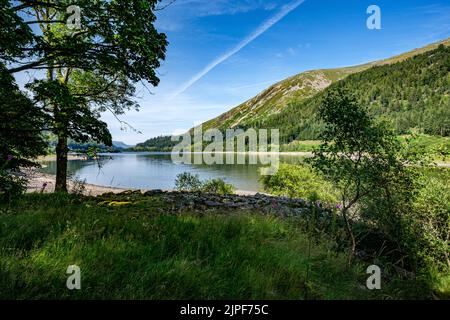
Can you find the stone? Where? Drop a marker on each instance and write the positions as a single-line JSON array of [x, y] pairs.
[[213, 204], [153, 192], [130, 192]]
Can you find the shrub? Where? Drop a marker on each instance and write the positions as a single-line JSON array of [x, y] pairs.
[[414, 226], [78, 186], [11, 186], [299, 181], [192, 183], [218, 186], [188, 182], [431, 216]]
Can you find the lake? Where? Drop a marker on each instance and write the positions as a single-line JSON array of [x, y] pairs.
[[153, 170]]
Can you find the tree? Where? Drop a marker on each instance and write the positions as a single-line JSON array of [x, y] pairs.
[[365, 161], [69, 116], [88, 70], [21, 124], [14, 34]]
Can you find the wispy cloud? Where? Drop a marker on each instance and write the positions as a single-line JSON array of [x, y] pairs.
[[255, 34], [178, 14], [439, 26], [202, 8]]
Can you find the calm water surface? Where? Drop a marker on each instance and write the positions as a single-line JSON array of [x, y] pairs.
[[157, 171]]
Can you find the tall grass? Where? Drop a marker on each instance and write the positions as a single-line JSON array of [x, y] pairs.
[[135, 251]]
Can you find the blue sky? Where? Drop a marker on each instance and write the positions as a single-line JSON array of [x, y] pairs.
[[316, 34]]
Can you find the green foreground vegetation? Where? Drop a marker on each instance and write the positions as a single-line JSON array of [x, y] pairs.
[[131, 249]]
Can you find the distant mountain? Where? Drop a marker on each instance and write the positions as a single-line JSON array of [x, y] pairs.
[[413, 95], [412, 90], [296, 89], [83, 146], [121, 145], [272, 100], [162, 143]]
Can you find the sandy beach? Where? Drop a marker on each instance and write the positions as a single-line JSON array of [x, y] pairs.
[[37, 180], [52, 157]]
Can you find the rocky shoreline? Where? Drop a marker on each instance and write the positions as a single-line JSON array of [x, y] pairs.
[[178, 202]]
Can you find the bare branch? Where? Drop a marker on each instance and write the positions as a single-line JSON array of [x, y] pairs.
[[122, 122], [165, 6]]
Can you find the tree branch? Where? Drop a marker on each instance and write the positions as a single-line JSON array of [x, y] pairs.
[[30, 65], [29, 4], [165, 6]]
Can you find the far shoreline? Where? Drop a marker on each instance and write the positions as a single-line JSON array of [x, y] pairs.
[[79, 156], [305, 154]]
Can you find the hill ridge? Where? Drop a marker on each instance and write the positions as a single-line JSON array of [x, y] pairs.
[[299, 87]]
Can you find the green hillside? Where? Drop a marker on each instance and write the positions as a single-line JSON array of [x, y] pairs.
[[161, 143], [274, 99], [282, 97], [412, 94]]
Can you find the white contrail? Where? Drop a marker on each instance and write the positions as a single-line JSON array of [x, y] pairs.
[[255, 34]]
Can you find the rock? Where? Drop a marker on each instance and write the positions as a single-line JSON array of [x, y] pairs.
[[107, 195], [213, 204], [130, 192], [232, 205], [200, 202], [153, 192]]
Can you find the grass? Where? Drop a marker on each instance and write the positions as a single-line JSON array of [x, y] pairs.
[[437, 146], [137, 251], [300, 146]]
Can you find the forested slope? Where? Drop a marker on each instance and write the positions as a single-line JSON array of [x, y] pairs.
[[411, 94]]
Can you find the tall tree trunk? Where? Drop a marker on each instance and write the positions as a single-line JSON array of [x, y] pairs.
[[350, 233], [61, 164]]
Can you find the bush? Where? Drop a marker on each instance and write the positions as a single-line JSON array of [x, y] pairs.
[[431, 216], [413, 225], [188, 182], [11, 186], [79, 186], [192, 183], [299, 181], [218, 186]]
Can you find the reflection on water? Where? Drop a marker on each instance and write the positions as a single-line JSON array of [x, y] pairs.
[[157, 171]]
